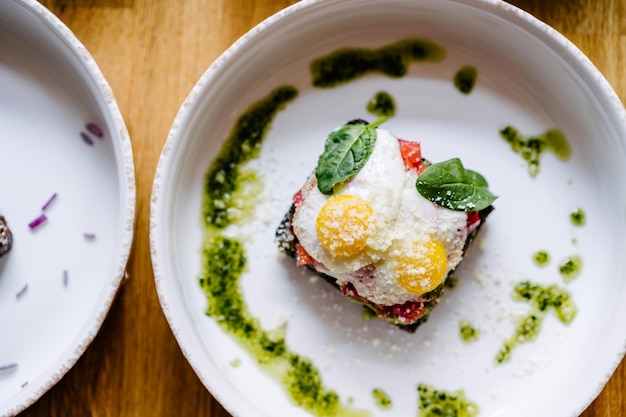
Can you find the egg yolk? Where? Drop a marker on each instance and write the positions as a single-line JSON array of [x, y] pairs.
[[344, 224], [423, 269]]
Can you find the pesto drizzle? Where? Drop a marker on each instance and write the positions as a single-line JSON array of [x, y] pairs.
[[382, 104], [542, 300], [348, 64], [243, 144], [531, 148], [465, 79], [437, 403], [382, 399], [577, 217], [468, 332], [224, 261], [541, 258], [570, 267]]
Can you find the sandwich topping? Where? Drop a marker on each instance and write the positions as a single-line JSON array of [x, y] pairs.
[[383, 224]]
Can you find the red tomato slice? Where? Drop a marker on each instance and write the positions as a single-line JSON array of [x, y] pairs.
[[302, 256], [411, 154]]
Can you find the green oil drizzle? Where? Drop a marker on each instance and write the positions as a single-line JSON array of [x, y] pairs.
[[542, 300], [224, 261], [531, 148], [578, 217], [468, 332], [224, 181], [348, 64], [465, 79], [437, 403], [570, 267], [382, 104], [541, 258], [382, 399]]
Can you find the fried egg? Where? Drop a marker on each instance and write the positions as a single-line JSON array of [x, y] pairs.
[[378, 233]]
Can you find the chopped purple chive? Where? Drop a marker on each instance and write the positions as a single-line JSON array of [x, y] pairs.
[[35, 223], [21, 292], [66, 277], [50, 200], [8, 367], [86, 138], [89, 236], [95, 129]]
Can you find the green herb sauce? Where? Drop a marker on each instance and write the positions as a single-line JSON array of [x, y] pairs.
[[382, 104], [348, 64], [570, 267], [382, 399], [578, 217], [436, 403], [531, 148], [224, 261], [468, 332], [465, 79], [223, 179], [541, 258], [542, 299]]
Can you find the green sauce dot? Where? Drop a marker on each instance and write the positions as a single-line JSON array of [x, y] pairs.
[[570, 267], [541, 258], [382, 399], [382, 104], [468, 332], [465, 79], [577, 217]]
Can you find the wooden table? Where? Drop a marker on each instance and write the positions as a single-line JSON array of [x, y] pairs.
[[152, 52]]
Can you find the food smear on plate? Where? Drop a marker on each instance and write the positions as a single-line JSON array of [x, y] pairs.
[[543, 299], [468, 332], [541, 258], [382, 224], [6, 237], [382, 104], [438, 403], [382, 399], [347, 64], [532, 147], [570, 267], [578, 217], [224, 261], [465, 79]]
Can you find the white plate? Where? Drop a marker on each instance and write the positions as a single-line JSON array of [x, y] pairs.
[[50, 87], [529, 77]]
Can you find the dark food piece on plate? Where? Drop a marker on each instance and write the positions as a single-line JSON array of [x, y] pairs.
[[377, 239], [6, 238]]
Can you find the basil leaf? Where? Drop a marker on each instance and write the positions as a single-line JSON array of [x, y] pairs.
[[346, 151], [449, 184]]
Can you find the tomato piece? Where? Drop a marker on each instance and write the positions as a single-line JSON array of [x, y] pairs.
[[302, 256], [297, 197], [411, 154], [472, 219]]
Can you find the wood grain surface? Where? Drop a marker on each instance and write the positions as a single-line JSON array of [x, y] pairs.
[[152, 52]]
